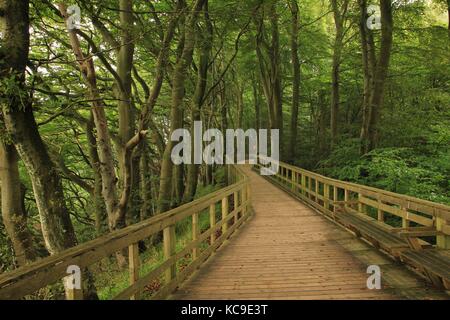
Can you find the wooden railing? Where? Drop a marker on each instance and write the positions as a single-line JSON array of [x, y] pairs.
[[28, 279], [326, 194]]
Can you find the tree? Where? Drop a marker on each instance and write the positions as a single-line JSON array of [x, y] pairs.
[[296, 80], [339, 9], [268, 53], [57, 227], [13, 209], [369, 134], [176, 112]]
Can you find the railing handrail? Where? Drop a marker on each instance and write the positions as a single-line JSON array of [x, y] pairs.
[[445, 209], [54, 268], [326, 195]]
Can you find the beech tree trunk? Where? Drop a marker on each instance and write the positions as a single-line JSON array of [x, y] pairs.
[[268, 55], [296, 81], [57, 228], [202, 80], [368, 55], [178, 92], [13, 209], [339, 12], [101, 219], [371, 132]]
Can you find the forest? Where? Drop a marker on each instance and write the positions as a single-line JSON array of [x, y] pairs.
[[91, 91]]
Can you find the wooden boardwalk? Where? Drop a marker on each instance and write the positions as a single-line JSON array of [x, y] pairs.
[[285, 251]]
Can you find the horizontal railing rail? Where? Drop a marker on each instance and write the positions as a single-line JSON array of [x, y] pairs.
[[327, 194], [29, 279]]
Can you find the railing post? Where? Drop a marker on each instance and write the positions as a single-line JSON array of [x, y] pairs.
[[134, 266], [224, 214], [335, 197], [346, 198], [443, 241], [405, 221], [293, 179], [380, 212], [326, 196], [73, 293], [317, 189], [236, 206], [248, 198], [245, 195], [310, 187], [212, 221], [303, 184], [195, 235], [360, 205], [169, 251]]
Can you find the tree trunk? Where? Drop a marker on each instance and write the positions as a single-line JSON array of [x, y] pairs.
[[57, 228], [101, 224], [13, 210], [322, 123], [202, 80], [146, 210], [256, 101], [276, 72], [296, 81], [178, 92], [269, 66], [368, 55], [126, 113], [339, 16], [379, 77]]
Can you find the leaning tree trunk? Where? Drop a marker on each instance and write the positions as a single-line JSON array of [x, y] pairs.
[[57, 228]]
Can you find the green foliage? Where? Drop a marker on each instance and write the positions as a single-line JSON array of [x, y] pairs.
[[401, 170]]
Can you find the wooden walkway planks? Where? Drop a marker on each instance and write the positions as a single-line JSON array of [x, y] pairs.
[[286, 251]]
